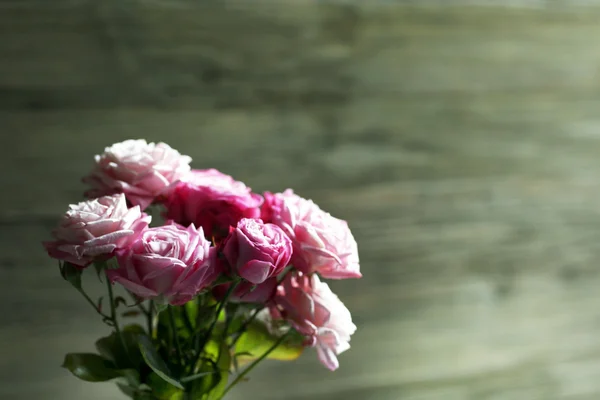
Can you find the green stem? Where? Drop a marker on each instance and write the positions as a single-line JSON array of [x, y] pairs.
[[113, 315], [228, 319], [89, 300], [175, 335], [245, 326], [200, 344], [254, 364], [150, 319], [187, 321], [137, 303]]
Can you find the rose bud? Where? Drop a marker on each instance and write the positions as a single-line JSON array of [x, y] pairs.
[[211, 200], [96, 229], [256, 251], [322, 243], [169, 263], [139, 169], [317, 313]]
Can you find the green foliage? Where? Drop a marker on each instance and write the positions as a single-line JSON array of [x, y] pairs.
[[91, 367], [215, 370], [110, 347], [155, 362], [71, 274], [257, 339]]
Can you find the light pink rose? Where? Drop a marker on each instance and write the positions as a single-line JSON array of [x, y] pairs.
[[316, 312], [246, 292], [256, 251], [169, 263], [212, 200], [322, 243], [95, 229], [139, 169]]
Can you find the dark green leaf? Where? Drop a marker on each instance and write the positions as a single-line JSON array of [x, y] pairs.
[[111, 348], [90, 367], [131, 376], [155, 362], [71, 274]]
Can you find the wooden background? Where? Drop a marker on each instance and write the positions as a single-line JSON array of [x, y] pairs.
[[461, 143]]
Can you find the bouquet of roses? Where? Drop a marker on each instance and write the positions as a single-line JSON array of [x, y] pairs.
[[228, 279]]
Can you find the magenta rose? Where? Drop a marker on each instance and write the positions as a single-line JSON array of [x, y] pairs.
[[96, 229], [212, 200], [322, 243], [246, 292], [168, 263], [139, 169], [317, 313], [256, 251]]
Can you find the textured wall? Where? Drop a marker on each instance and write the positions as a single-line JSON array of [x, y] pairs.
[[461, 143]]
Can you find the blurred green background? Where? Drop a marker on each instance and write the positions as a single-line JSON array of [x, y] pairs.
[[460, 139]]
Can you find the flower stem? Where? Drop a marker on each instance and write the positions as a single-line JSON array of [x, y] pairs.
[[89, 300], [254, 364], [150, 317], [200, 344], [175, 335], [245, 326], [113, 316]]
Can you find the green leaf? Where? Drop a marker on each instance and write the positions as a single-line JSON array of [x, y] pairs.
[[71, 274], [223, 363], [110, 347], [256, 340], [197, 376], [211, 386], [163, 390], [155, 362], [90, 367]]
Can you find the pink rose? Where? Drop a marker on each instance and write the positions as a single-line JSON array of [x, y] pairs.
[[257, 251], [246, 292], [316, 312], [212, 200], [139, 169], [96, 228], [169, 263], [322, 243]]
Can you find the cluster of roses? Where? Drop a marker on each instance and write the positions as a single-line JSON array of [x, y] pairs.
[[272, 247]]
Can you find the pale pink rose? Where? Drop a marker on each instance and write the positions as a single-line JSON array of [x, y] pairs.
[[96, 229], [256, 251], [212, 200], [139, 169], [322, 243], [316, 312], [168, 263], [246, 292]]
